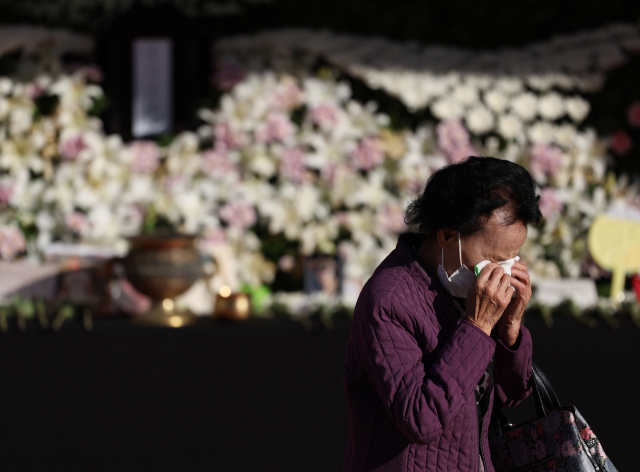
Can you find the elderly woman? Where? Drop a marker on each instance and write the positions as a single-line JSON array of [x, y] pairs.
[[433, 345]]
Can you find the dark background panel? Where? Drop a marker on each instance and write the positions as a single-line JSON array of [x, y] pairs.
[[468, 23], [262, 396], [258, 397]]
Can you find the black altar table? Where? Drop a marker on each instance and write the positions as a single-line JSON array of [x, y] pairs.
[[261, 396]]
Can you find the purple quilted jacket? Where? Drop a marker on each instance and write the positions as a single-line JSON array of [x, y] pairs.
[[411, 370]]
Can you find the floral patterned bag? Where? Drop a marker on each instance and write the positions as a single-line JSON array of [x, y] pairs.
[[560, 439]]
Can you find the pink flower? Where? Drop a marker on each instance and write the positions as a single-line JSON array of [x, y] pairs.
[[540, 450], [6, 191], [288, 95], [287, 263], [620, 142], [546, 160], [600, 451], [216, 163], [277, 127], [35, 91], [292, 164], [568, 449], [550, 204], [325, 116], [454, 141], [368, 154], [633, 114], [329, 172], [91, 72], [77, 222], [211, 238], [586, 433], [226, 137], [71, 147], [391, 218], [239, 214], [12, 242], [228, 73], [342, 218], [146, 157], [173, 182]]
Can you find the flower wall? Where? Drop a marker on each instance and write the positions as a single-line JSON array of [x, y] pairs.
[[290, 163]]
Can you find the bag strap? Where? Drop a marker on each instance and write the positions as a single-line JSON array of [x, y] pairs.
[[544, 397]]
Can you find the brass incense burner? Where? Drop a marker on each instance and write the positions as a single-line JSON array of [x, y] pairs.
[[163, 267]]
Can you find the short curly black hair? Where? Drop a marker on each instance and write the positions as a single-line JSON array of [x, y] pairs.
[[463, 196]]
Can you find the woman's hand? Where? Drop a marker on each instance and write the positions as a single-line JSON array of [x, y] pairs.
[[488, 298], [508, 328]]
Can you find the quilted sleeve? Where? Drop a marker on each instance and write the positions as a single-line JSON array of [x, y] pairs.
[[422, 399], [512, 370]]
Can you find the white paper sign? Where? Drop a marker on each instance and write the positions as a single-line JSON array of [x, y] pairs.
[[552, 292], [152, 87]]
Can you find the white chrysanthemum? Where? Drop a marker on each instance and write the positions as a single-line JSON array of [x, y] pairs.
[[307, 199], [482, 82], [141, 189], [370, 192], [5, 107], [479, 120], [6, 86], [577, 108], [321, 237], [564, 81], [263, 165], [447, 109], [509, 85], [190, 206], [541, 132], [525, 105], [344, 181], [319, 91], [103, 224], [466, 94], [551, 106], [565, 135], [540, 82], [20, 120], [510, 126], [496, 101]]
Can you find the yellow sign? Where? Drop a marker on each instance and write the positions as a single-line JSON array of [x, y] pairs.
[[614, 243]]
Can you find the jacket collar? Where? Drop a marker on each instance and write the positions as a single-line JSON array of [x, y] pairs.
[[407, 249]]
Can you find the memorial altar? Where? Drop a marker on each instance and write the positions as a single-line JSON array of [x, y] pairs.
[[241, 188]]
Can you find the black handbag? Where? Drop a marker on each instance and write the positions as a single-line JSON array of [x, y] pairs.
[[559, 437]]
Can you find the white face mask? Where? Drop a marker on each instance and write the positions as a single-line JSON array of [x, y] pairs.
[[463, 279]]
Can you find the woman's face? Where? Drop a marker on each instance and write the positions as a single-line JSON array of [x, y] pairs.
[[497, 241]]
